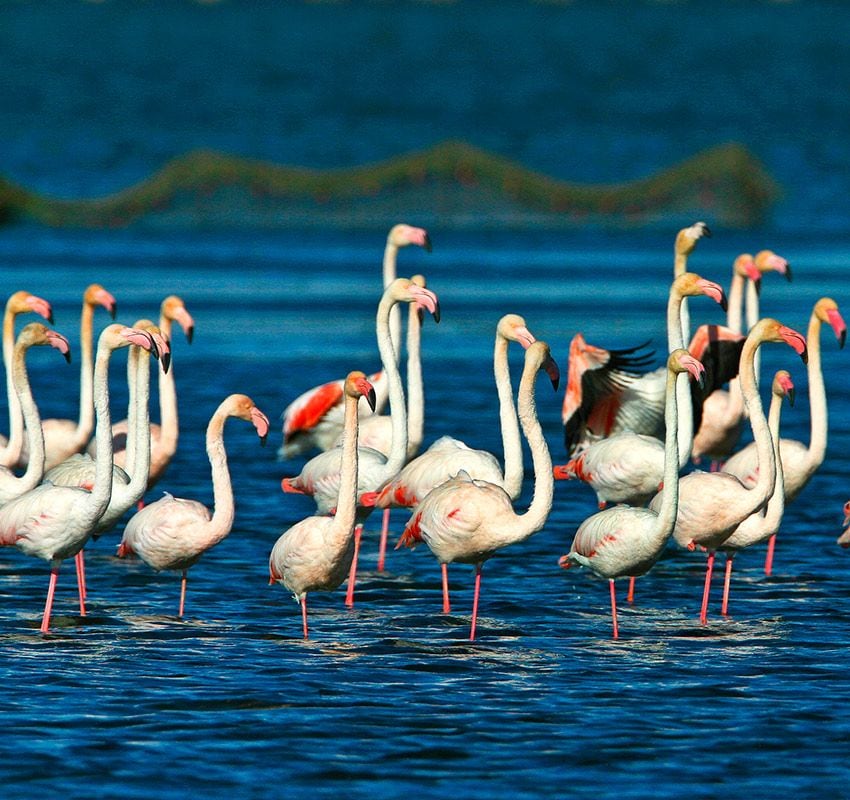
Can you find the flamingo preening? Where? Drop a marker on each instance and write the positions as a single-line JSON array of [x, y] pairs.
[[316, 553], [173, 533], [469, 520], [626, 540]]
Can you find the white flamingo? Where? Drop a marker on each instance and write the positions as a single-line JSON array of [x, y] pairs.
[[314, 418], [468, 520], [627, 540], [173, 533], [55, 522], [316, 553]]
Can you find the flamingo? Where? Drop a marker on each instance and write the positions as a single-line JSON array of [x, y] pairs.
[[799, 462], [469, 520], [723, 410], [173, 533], [626, 540], [628, 467], [18, 303], [844, 539], [759, 527], [64, 437], [316, 553], [320, 475], [12, 486], [314, 418], [713, 504], [55, 522]]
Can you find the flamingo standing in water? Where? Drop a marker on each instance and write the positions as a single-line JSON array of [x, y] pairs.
[[469, 520], [321, 474], [314, 418], [626, 540], [316, 553], [799, 461], [64, 437], [844, 539], [759, 527], [55, 522], [173, 533], [628, 467], [713, 504], [18, 303]]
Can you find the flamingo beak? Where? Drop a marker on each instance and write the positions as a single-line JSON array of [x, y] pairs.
[[714, 291], [58, 341], [525, 337], [788, 387], [368, 391], [426, 242], [838, 326], [553, 372], [425, 298], [261, 423], [795, 340]]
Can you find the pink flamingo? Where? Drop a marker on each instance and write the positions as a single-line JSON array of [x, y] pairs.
[[469, 520], [316, 553], [64, 437], [799, 462], [628, 467], [55, 522], [314, 418], [844, 539], [713, 504], [759, 527], [173, 533], [627, 540], [18, 303], [723, 410], [320, 475]]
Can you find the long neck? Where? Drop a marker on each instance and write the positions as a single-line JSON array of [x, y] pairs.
[[102, 489], [12, 452], [752, 319], [734, 314], [168, 422], [511, 441], [138, 455], [35, 434], [415, 388], [675, 339], [764, 443], [398, 412], [390, 255], [680, 267], [776, 504], [817, 397], [85, 425], [224, 512], [670, 497], [346, 506]]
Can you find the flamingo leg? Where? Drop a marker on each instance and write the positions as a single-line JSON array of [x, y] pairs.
[[630, 597], [475, 602], [80, 561], [304, 615], [724, 608], [382, 547], [182, 594], [48, 606], [768, 559], [352, 574], [614, 608], [703, 616], [447, 608]]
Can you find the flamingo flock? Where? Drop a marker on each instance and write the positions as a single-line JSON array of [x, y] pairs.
[[629, 433]]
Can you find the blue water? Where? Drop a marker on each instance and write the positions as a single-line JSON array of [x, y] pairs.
[[390, 698]]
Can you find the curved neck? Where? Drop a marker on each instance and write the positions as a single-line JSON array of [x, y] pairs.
[[138, 455], [224, 511], [346, 505], [676, 339], [764, 443], [35, 435], [168, 422], [85, 424], [752, 319], [680, 267], [509, 423], [389, 265], [776, 504], [734, 314], [818, 410], [398, 412], [11, 454], [670, 496], [415, 388], [102, 489]]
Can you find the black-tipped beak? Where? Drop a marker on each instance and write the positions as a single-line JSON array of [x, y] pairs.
[[436, 313], [790, 395], [154, 348], [165, 361], [553, 372], [724, 303], [67, 356], [190, 332], [371, 399], [427, 244], [842, 337], [263, 440], [757, 286], [706, 231], [113, 310], [788, 273], [805, 355]]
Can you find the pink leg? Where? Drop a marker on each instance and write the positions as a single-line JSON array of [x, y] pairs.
[[630, 597], [475, 602], [182, 594], [352, 575], [382, 547], [447, 608], [768, 559], [80, 561], [51, 590], [614, 608], [724, 608], [703, 617], [304, 615]]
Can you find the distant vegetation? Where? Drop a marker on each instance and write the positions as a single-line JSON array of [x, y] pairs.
[[451, 184]]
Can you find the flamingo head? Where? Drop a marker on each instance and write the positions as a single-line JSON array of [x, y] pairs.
[[174, 310], [357, 386], [242, 407], [745, 266], [783, 386], [682, 361], [37, 333], [847, 513], [161, 342], [24, 303], [687, 238], [538, 354], [405, 290], [512, 327], [826, 310], [767, 260], [96, 295], [771, 330], [689, 284], [117, 335], [403, 235]]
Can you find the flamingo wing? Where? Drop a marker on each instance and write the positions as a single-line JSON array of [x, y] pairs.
[[719, 350]]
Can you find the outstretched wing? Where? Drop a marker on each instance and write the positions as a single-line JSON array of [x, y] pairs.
[[719, 349]]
